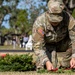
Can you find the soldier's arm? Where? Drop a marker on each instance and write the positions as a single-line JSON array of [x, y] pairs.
[[72, 34], [38, 33]]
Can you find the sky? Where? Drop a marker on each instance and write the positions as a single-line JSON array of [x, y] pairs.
[[21, 5], [6, 23]]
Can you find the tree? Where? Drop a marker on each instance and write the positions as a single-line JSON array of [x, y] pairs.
[[35, 11], [3, 11], [6, 9], [22, 21]]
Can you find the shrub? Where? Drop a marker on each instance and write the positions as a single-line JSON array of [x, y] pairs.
[[17, 63]]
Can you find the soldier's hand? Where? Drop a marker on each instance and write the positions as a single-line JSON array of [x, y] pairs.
[[49, 66], [72, 63]]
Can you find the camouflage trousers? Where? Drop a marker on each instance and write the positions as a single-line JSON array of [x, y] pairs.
[[54, 48]]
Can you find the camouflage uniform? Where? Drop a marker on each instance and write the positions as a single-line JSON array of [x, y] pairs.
[[47, 39], [69, 5]]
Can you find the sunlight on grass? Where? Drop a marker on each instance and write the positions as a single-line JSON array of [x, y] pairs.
[[11, 48]]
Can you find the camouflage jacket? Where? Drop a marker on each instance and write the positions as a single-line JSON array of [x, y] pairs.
[[43, 32], [70, 3]]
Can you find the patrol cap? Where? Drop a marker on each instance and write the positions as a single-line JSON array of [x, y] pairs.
[[55, 6], [55, 9]]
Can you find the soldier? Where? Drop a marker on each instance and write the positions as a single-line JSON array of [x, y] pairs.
[[69, 5], [54, 31]]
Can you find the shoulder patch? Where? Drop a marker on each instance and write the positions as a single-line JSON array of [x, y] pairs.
[[40, 31]]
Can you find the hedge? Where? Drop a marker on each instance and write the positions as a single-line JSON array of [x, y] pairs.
[[16, 63]]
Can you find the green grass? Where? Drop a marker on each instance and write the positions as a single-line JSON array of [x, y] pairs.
[[58, 71], [9, 47]]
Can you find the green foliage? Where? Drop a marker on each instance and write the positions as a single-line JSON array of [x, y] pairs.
[[58, 71], [42, 71], [5, 30], [22, 21], [19, 18], [73, 14], [16, 63]]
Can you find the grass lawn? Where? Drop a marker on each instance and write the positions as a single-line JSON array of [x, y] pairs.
[[10, 48], [33, 73]]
